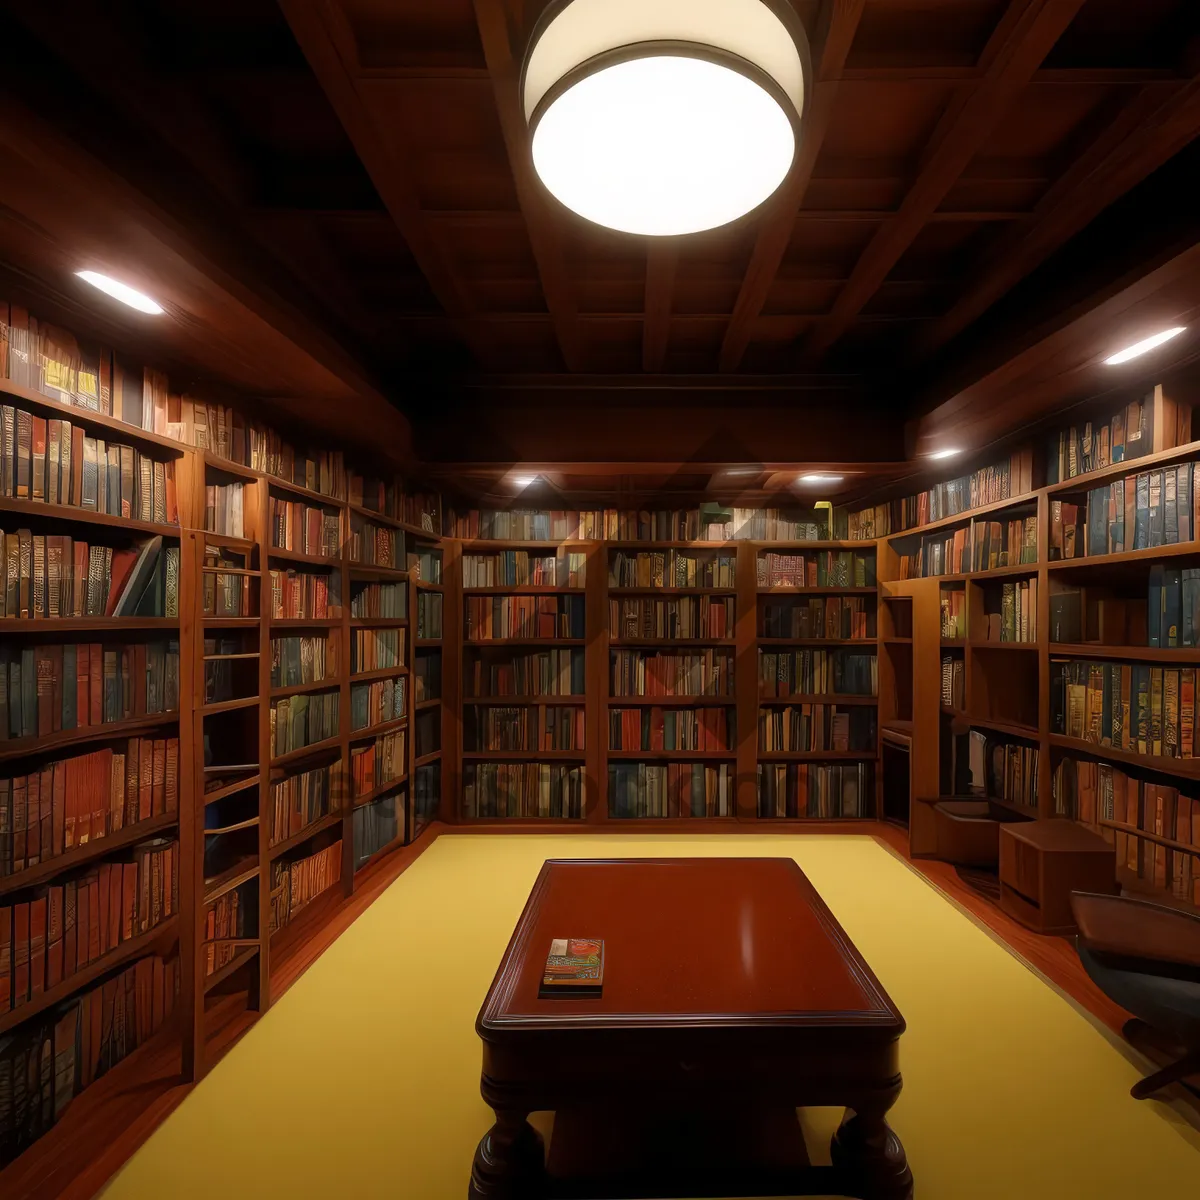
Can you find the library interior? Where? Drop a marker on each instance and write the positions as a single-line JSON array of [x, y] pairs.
[[594, 599]]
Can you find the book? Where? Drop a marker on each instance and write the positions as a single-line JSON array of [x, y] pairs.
[[575, 967]]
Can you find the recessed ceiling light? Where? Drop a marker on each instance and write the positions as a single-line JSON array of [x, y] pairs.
[[741, 472], [524, 480], [1143, 346], [819, 480], [120, 291], [664, 118], [945, 453]]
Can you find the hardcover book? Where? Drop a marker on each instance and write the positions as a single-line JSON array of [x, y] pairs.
[[574, 967]]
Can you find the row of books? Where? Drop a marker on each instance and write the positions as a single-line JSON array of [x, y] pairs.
[[423, 510], [299, 721], [1096, 793], [818, 617], [376, 545], [670, 569], [522, 789], [301, 799], [296, 884], [488, 618], [299, 660], [225, 508], [64, 686], [1156, 508], [377, 825], [529, 673], [1017, 619], [49, 1061], [954, 682], [821, 568], [227, 593], [305, 595], [495, 727], [387, 601], [53, 576], [685, 789], [1002, 768], [429, 615], [427, 675], [817, 672], [671, 617], [825, 791], [1169, 617], [375, 649], [817, 727], [53, 462], [943, 553], [377, 702], [75, 801], [225, 923], [987, 485], [66, 926], [305, 528], [1093, 445], [380, 761], [953, 602], [519, 568], [708, 522], [1129, 706], [1010, 543], [428, 564], [692, 673], [656, 728], [379, 495]]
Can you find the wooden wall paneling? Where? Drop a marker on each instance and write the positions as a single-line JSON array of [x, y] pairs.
[[343, 782], [597, 675], [191, 808], [746, 679], [453, 665], [662, 257]]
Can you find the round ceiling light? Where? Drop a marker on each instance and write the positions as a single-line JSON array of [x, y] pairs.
[[665, 117]]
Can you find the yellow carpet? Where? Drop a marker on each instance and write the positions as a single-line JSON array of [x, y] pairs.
[[364, 1080]]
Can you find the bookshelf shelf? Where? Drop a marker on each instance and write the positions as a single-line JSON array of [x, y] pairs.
[[232, 789], [819, 698], [432, 702], [304, 689], [68, 513], [678, 643], [329, 562], [769, 641], [1034, 646], [303, 752], [425, 759], [816, 755], [241, 872], [430, 587], [1012, 728], [228, 467], [231, 622], [671, 701], [672, 591], [434, 643], [77, 856], [248, 823], [378, 622], [817, 591], [162, 935], [222, 706], [374, 731], [1130, 466], [227, 542], [155, 444], [380, 789], [1149, 556], [962, 518], [53, 625], [367, 572], [304, 623], [378, 673], [1184, 768], [306, 834], [1146, 835], [521, 589], [523, 755], [235, 964], [672, 756], [109, 731], [484, 643], [278, 484], [1167, 654]]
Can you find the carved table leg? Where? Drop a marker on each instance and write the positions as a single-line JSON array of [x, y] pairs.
[[871, 1156], [509, 1161]]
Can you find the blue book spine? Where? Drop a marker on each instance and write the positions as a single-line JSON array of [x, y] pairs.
[[69, 719], [1141, 535], [1172, 606], [1154, 607]]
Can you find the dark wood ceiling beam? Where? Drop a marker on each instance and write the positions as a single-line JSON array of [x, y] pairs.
[[328, 43], [662, 257], [1148, 132], [838, 23], [1025, 35], [541, 220], [1073, 75]]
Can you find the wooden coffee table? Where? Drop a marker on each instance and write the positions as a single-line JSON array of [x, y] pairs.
[[731, 998]]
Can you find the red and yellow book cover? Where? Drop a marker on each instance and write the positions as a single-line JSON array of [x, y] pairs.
[[574, 965]]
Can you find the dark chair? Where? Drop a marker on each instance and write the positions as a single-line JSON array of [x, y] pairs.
[[1146, 958]]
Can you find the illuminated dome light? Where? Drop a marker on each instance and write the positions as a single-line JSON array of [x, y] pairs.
[[664, 117]]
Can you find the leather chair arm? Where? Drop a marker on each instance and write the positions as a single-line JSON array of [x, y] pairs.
[[1132, 928]]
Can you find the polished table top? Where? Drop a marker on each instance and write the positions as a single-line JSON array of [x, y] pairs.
[[688, 942]]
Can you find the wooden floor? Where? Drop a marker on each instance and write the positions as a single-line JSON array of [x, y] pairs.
[[108, 1121]]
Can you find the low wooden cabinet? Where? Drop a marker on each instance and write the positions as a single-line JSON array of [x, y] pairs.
[[1042, 863]]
